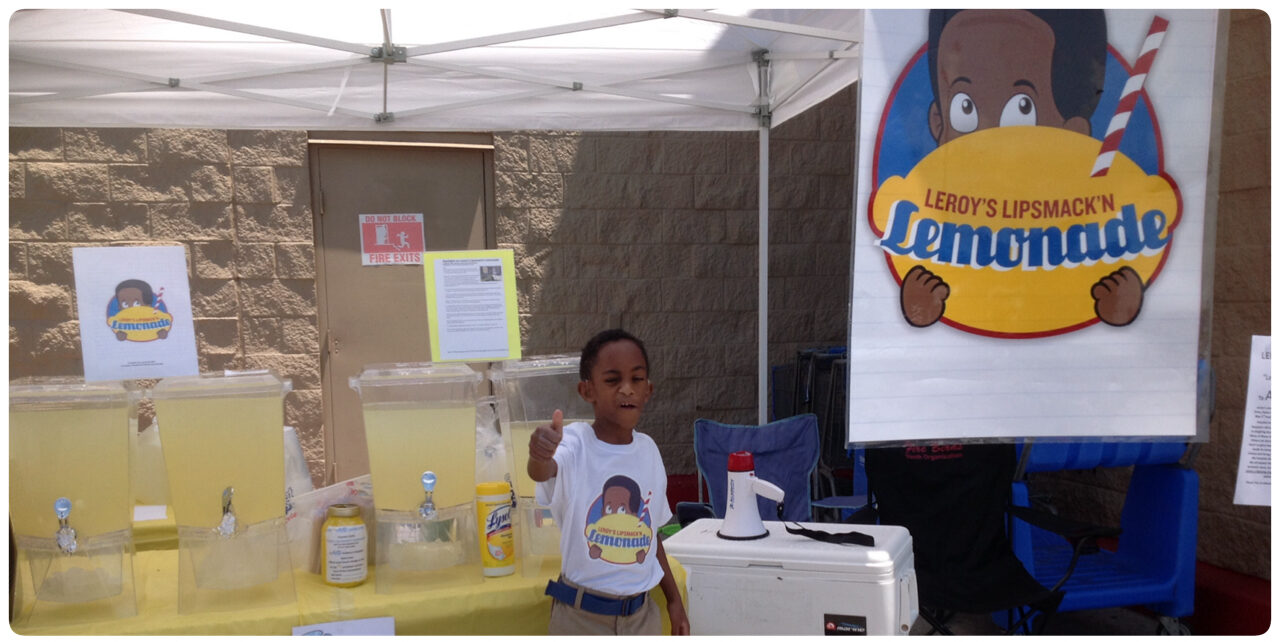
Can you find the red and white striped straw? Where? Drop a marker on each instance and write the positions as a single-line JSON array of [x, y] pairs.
[[1129, 97]]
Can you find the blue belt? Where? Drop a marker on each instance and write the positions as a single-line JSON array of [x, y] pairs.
[[593, 603]]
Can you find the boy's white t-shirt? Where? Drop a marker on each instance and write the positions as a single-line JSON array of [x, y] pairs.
[[624, 537]]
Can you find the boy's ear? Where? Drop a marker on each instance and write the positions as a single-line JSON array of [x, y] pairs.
[[586, 391], [935, 121]]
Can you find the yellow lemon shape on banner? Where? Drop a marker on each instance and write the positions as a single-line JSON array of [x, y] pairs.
[[620, 537], [1011, 220], [140, 323]]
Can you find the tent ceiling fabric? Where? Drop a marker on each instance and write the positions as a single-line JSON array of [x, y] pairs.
[[462, 69]]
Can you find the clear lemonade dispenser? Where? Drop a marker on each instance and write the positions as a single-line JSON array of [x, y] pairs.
[[528, 392], [70, 505], [225, 460], [420, 429]]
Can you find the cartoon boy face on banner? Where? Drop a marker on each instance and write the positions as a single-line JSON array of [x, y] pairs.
[[618, 525], [137, 313], [1007, 199]]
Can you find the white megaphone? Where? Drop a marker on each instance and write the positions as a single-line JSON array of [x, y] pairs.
[[742, 516]]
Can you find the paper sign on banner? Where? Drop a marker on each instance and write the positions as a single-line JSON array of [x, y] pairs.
[[471, 305], [134, 305], [391, 239], [1253, 476], [366, 626]]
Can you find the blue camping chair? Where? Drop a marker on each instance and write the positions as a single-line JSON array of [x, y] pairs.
[[1154, 562], [785, 453]]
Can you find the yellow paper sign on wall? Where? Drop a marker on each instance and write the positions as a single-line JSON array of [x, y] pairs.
[[471, 305]]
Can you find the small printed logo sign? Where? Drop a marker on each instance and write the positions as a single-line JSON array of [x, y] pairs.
[[834, 624]]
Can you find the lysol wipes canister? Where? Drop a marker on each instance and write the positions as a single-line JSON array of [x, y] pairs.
[[493, 520]]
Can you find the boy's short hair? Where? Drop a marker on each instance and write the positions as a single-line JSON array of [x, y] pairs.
[[1079, 55], [592, 350]]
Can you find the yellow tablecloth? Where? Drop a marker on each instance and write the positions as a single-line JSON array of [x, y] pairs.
[[513, 604], [154, 534]]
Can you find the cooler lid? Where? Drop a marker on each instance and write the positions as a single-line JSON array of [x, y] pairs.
[[409, 374], [228, 383], [698, 545], [40, 391], [557, 364]]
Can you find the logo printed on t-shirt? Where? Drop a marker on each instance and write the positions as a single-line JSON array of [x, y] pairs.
[[618, 528]]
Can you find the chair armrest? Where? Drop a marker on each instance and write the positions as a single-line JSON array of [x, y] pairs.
[[1067, 528], [1083, 536], [689, 512]]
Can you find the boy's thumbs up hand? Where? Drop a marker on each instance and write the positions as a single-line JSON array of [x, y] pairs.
[[545, 439]]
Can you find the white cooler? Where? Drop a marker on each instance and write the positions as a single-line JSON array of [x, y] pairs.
[[788, 584]]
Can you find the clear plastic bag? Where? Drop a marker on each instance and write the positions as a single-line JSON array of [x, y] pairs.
[[93, 572], [150, 481], [492, 464], [306, 513]]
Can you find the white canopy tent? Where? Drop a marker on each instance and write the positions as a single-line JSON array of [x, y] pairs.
[[436, 68]]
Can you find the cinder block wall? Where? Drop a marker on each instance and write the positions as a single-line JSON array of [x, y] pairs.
[[1233, 537], [657, 233], [238, 200]]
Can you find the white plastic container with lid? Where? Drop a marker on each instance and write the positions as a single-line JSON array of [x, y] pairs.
[[344, 547], [785, 584]]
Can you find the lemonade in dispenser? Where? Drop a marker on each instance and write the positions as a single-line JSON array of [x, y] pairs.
[[420, 432], [224, 457], [529, 391], [70, 503]]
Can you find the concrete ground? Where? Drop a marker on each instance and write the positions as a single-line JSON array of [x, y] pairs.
[[1117, 621]]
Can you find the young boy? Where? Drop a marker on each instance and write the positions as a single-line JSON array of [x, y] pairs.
[[607, 488]]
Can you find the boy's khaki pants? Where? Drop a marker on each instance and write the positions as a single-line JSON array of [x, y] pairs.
[[567, 620]]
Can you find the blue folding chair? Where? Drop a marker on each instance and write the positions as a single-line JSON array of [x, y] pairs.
[[785, 453], [1154, 562]]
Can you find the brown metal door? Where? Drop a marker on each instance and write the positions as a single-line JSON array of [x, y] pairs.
[[379, 314]]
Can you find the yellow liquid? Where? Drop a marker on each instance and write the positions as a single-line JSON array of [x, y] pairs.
[[81, 454], [210, 443], [520, 433], [404, 440]]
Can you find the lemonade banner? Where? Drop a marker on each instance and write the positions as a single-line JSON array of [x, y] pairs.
[[1030, 223], [134, 305]]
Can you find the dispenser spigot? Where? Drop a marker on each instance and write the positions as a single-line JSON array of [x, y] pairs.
[[427, 510], [227, 527], [66, 536]]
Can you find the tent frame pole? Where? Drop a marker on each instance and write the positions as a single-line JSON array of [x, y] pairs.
[[762, 383], [765, 114]]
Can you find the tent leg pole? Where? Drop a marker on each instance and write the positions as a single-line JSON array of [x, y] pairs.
[[762, 325]]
